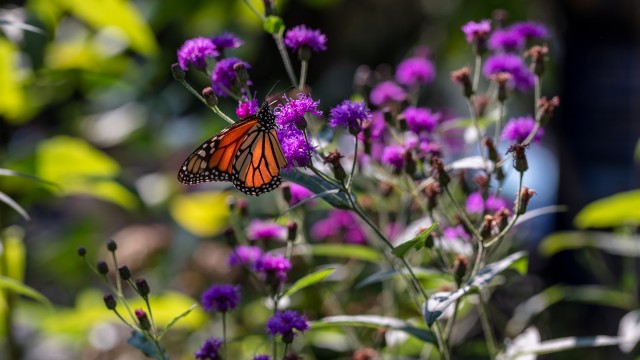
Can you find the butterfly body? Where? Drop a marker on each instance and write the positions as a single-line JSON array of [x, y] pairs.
[[247, 153]]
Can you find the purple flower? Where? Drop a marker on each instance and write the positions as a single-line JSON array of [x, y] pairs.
[[295, 147], [245, 255], [226, 40], [522, 78], [421, 119], [476, 204], [247, 107], [377, 126], [298, 193], [273, 267], [224, 76], [221, 298], [530, 29], [506, 40], [415, 70], [292, 112], [394, 155], [339, 223], [209, 350], [385, 92], [495, 204], [518, 129], [261, 357], [457, 232], [196, 51], [474, 30], [350, 115], [301, 36], [266, 230], [285, 322]]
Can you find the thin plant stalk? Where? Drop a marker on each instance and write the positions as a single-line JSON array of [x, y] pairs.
[[353, 165], [224, 333], [486, 327], [215, 109], [442, 346], [304, 68], [285, 59]]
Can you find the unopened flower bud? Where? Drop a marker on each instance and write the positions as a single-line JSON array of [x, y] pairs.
[[502, 78], [432, 192], [210, 96], [487, 227], [525, 195], [388, 116], [402, 123], [441, 174], [538, 54], [230, 236], [292, 231], [143, 320], [501, 218], [491, 149], [177, 72], [518, 152], [102, 267], [242, 74], [480, 103], [231, 202], [463, 77], [110, 301], [366, 133], [243, 208], [82, 251], [111, 245], [286, 193], [333, 159], [546, 108], [143, 287], [482, 180], [460, 266], [124, 272]]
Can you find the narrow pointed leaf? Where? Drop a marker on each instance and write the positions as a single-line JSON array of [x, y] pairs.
[[144, 344], [309, 280], [318, 186], [304, 201], [375, 321], [420, 273], [358, 252], [14, 205], [25, 290], [417, 242], [623, 245], [562, 344], [175, 320]]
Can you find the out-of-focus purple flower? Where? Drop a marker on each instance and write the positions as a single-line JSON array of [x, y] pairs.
[[209, 350], [455, 232], [517, 129], [421, 119], [196, 51], [287, 323], [266, 230], [226, 40], [300, 36], [349, 115], [340, 223], [530, 29], [221, 298], [245, 255], [495, 203], [298, 193], [506, 40], [522, 77], [224, 76], [475, 203], [385, 92], [415, 70], [376, 125], [274, 267], [474, 30], [394, 155], [292, 112], [247, 107], [393, 230], [295, 147], [262, 357]]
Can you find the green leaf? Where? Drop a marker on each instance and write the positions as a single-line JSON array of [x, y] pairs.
[[175, 320], [306, 200], [309, 280], [14, 205], [273, 25], [14, 105], [9, 172], [146, 345], [357, 252], [375, 321], [622, 245], [529, 343], [438, 302], [613, 211], [420, 273], [319, 186], [417, 242], [22, 289], [521, 265], [193, 211]]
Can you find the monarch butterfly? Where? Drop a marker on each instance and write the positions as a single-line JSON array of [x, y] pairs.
[[247, 153]]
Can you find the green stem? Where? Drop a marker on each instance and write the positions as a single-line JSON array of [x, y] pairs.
[[353, 165], [449, 328], [13, 348], [215, 109], [304, 66], [511, 223], [442, 346], [255, 11], [285, 59], [486, 327], [224, 334], [463, 214], [496, 137], [286, 350], [476, 73]]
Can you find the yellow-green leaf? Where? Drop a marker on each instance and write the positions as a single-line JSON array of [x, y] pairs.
[[13, 101], [614, 211], [16, 252], [201, 213]]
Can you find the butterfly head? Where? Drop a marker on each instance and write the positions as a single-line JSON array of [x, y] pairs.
[[266, 115]]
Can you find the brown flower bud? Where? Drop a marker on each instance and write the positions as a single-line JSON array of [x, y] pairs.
[[546, 108], [409, 163], [525, 195], [210, 96], [366, 354], [518, 152], [460, 266], [538, 54], [501, 218], [487, 227], [432, 192], [480, 103], [333, 159], [463, 77], [441, 174], [502, 79], [491, 149]]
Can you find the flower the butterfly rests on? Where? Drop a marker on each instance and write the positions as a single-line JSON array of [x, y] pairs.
[[247, 153]]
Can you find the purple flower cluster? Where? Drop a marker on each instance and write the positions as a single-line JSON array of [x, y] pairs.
[[246, 107], [226, 40], [415, 70], [349, 115], [298, 193], [421, 119], [262, 357], [245, 255], [475, 30], [456, 232], [514, 37], [394, 155], [518, 129], [210, 349], [266, 230], [522, 77], [387, 92], [224, 76], [273, 267], [293, 111], [476, 205], [286, 323], [302, 37], [290, 118], [340, 223], [221, 298], [196, 51]]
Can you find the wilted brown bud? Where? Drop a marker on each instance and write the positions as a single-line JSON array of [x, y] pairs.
[[501, 218], [432, 192], [538, 54], [366, 354], [333, 159], [402, 123], [502, 79], [480, 103], [440, 173], [286, 192], [487, 227], [460, 266], [463, 77], [243, 207], [525, 195], [518, 151], [482, 180], [409, 163], [546, 108], [366, 133], [388, 116], [491, 149]]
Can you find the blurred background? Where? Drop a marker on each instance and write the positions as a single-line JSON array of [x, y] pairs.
[[86, 92]]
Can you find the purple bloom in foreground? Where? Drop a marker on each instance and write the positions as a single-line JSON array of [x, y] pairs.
[[495, 204], [474, 30], [196, 51], [475, 203], [295, 147], [292, 112], [457, 232], [421, 119], [517, 129], [262, 357], [415, 70], [247, 107], [274, 267], [506, 40], [394, 155], [350, 115], [224, 76], [522, 78], [301, 36], [266, 230], [530, 29], [385, 92], [226, 40], [298, 193], [245, 255], [285, 322], [339, 223], [209, 350], [221, 298]]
